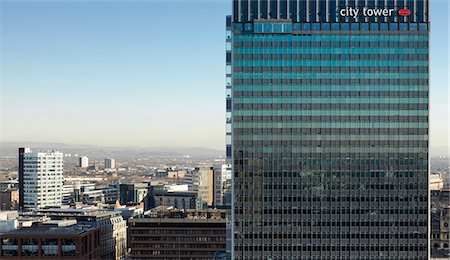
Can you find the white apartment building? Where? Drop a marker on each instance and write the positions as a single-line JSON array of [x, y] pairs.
[[42, 179], [83, 162]]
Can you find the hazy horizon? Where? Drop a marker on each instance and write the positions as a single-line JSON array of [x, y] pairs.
[[139, 73]]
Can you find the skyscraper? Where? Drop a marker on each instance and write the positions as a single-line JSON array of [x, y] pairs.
[[329, 112], [40, 179]]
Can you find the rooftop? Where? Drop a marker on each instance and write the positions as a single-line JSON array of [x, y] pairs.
[[43, 231]]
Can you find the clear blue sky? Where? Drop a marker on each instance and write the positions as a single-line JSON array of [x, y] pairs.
[[136, 73]]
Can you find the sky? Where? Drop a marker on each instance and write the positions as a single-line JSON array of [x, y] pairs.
[[138, 73]]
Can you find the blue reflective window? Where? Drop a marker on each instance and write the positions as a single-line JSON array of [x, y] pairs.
[[277, 27], [267, 27], [335, 27], [306, 26], [258, 27], [287, 27], [384, 26], [238, 26], [403, 27], [316, 27], [345, 27], [374, 27], [364, 27], [423, 27], [355, 26], [413, 27], [297, 27], [326, 26], [248, 27], [394, 27]]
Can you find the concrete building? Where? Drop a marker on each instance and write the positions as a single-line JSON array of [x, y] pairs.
[[177, 199], [437, 180], [440, 223], [51, 242], [205, 186], [110, 164], [175, 173], [132, 193], [9, 199], [113, 229], [195, 234], [83, 162], [111, 193], [40, 179]]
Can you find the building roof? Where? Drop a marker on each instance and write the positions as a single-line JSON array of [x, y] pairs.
[[43, 231]]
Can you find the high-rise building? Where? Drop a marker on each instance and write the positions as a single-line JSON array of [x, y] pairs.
[[83, 162], [40, 179], [329, 105], [110, 163]]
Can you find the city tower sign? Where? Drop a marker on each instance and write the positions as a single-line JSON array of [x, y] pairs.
[[372, 12]]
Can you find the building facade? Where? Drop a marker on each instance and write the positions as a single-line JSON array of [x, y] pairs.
[[440, 223], [195, 234], [113, 229], [205, 186], [177, 199], [72, 242], [132, 193], [110, 163], [83, 162], [329, 115], [40, 179], [9, 199]]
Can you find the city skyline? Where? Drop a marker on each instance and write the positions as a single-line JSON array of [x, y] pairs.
[[122, 71]]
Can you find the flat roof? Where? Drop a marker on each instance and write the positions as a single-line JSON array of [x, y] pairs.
[[74, 230]]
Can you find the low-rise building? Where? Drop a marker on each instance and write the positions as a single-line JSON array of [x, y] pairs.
[[9, 199], [166, 198], [440, 222], [178, 234], [49, 242], [113, 229], [132, 193]]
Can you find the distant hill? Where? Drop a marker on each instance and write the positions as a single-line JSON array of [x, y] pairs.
[[10, 149]]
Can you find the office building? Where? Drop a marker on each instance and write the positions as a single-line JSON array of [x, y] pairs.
[[440, 223], [329, 106], [113, 229], [195, 234], [110, 164], [9, 199], [437, 180], [40, 179], [132, 193], [205, 186], [50, 242], [83, 162], [167, 198]]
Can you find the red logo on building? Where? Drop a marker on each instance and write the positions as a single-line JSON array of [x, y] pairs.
[[404, 12]]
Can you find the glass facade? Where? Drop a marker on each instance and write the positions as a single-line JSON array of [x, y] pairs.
[[329, 130]]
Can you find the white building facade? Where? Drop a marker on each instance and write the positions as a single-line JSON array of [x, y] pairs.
[[42, 179], [83, 162]]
